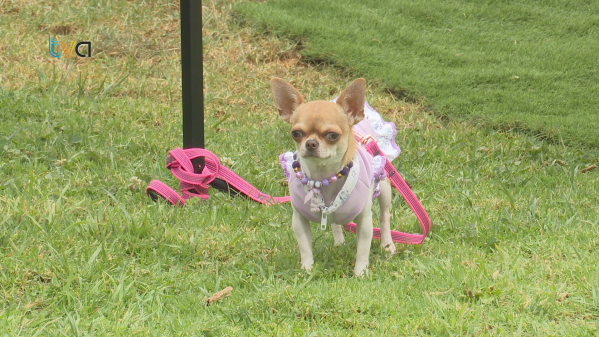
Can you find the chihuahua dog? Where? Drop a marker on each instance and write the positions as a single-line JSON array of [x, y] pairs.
[[329, 170]]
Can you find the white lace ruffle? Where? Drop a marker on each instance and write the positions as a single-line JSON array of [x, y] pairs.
[[385, 132]]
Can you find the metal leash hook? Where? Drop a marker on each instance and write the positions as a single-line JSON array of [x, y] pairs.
[[323, 222]]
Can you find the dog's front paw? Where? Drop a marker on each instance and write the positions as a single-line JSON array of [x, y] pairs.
[[361, 270], [307, 266]]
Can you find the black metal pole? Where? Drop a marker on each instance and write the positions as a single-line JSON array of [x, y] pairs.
[[192, 76]]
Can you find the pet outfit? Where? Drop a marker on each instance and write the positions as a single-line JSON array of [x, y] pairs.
[[367, 170]]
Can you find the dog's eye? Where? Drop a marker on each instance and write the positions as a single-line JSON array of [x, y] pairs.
[[332, 136], [297, 134]]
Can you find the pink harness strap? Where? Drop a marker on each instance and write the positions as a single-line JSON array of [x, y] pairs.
[[407, 194], [196, 185]]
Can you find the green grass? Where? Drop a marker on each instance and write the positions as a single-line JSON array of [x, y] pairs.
[[514, 247], [526, 65]]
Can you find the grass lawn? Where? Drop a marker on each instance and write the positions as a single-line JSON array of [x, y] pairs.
[[529, 65], [514, 247]]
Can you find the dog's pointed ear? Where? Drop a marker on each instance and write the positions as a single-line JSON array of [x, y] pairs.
[[287, 98], [352, 100]]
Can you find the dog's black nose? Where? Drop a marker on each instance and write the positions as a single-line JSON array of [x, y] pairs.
[[311, 145]]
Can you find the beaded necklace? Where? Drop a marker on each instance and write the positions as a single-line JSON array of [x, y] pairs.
[[314, 186]]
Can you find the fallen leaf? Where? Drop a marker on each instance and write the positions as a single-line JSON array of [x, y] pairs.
[[219, 295]]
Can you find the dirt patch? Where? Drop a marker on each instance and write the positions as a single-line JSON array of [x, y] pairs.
[[61, 29]]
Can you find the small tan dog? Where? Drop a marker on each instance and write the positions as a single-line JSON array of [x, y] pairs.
[[327, 160]]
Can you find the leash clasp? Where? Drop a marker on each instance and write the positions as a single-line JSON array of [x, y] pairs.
[[363, 140], [323, 222]]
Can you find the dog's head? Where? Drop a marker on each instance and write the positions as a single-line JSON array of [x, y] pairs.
[[322, 130]]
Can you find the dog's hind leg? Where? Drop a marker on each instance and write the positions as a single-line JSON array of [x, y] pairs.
[[385, 216], [338, 234], [363, 239]]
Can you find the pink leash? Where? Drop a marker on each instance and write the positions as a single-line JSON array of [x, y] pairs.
[[196, 185]]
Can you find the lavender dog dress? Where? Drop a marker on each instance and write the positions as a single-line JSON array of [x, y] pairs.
[[367, 170]]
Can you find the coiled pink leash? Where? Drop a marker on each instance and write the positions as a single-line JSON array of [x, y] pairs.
[[193, 184], [196, 184]]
